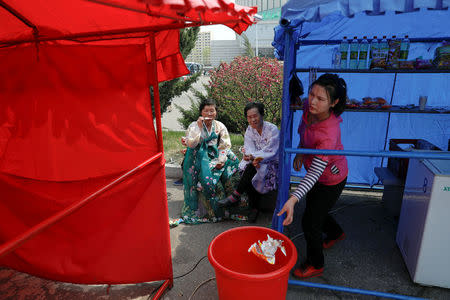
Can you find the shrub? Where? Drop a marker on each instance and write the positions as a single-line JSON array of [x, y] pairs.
[[246, 79]]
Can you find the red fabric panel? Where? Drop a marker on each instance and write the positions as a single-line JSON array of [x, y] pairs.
[[11, 27], [225, 12], [120, 237], [170, 63], [74, 112], [54, 18]]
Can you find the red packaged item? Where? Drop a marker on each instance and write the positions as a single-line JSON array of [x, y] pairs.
[[424, 63], [266, 250]]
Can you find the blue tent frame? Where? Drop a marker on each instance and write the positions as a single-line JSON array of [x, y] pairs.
[[289, 44]]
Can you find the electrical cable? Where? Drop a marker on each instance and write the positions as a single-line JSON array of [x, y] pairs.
[[176, 277], [198, 286]]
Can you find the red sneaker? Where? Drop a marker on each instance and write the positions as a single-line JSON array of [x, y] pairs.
[[329, 243], [307, 271]]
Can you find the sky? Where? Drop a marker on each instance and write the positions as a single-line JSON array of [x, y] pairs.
[[219, 32]]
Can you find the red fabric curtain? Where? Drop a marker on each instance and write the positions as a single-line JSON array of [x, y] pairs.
[[120, 237], [74, 112], [73, 118]]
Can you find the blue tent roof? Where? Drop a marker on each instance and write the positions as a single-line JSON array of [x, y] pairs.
[[316, 10]]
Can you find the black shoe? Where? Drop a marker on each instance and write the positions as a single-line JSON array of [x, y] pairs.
[[227, 202], [178, 182], [253, 215]]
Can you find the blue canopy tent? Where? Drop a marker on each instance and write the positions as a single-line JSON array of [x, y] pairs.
[[310, 30], [327, 22]]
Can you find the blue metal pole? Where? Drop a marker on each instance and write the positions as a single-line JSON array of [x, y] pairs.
[[427, 154], [284, 172], [351, 290]]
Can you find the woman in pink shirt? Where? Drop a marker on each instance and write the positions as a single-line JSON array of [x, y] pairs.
[[326, 175]]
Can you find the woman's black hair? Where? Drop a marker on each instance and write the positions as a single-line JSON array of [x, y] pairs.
[[295, 87], [251, 105], [206, 102], [336, 89]]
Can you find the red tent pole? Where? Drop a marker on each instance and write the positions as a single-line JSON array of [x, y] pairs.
[[157, 105], [168, 283], [30, 233], [19, 16]]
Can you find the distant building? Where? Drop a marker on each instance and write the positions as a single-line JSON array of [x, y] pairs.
[[261, 34], [225, 50], [202, 51], [211, 53]]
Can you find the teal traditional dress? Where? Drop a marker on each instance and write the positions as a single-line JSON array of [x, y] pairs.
[[203, 183]]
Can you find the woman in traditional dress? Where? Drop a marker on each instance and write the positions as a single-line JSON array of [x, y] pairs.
[[208, 167], [259, 166]]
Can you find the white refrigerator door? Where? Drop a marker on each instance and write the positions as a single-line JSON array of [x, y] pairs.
[[433, 265], [413, 213]]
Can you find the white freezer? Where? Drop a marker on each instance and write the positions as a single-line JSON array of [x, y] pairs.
[[423, 233]]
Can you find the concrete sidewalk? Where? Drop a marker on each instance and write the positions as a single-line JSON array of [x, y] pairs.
[[367, 259]]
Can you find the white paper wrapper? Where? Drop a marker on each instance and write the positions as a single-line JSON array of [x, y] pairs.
[[266, 250]]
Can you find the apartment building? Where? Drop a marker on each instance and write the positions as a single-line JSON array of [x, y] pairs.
[[202, 51], [212, 52]]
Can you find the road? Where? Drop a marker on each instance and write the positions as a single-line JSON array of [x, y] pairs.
[[170, 118]]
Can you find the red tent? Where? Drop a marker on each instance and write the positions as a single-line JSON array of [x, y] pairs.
[[75, 115]]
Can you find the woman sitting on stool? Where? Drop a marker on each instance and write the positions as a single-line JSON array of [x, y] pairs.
[[209, 166], [259, 166]]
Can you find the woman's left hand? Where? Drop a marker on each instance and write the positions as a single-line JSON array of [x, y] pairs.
[[219, 166], [256, 162], [288, 208]]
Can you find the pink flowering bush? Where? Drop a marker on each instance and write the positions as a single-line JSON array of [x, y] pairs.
[[246, 79]]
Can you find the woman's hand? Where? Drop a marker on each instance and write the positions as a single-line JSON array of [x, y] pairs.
[[219, 166], [288, 208], [248, 157], [256, 162], [200, 122], [184, 141], [298, 162]]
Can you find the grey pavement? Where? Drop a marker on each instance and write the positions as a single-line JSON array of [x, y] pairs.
[[367, 259]]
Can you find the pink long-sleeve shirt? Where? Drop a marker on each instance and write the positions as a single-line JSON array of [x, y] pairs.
[[324, 135]]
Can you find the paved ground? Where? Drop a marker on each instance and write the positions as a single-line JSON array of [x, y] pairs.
[[367, 259]]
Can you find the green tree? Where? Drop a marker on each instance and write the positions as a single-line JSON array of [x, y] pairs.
[[232, 86], [244, 80], [170, 89], [248, 46]]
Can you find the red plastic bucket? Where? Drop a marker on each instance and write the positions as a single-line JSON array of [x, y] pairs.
[[241, 274]]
